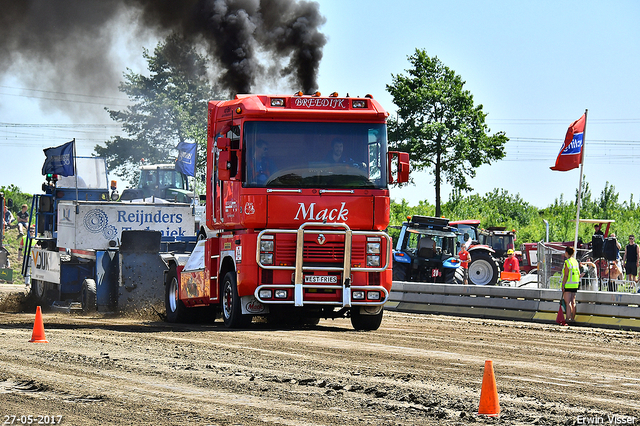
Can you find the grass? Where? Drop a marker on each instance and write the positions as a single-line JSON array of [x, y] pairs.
[[11, 243]]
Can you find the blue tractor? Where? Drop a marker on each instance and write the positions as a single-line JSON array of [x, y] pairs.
[[426, 251]]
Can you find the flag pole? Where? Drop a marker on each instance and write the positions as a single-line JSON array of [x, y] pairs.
[[584, 140]]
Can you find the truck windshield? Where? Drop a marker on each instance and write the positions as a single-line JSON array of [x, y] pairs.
[[162, 178], [315, 155], [91, 172]]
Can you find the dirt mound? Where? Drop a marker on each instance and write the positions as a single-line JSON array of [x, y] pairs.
[[13, 298]]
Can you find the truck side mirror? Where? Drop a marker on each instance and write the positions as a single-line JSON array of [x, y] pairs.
[[402, 167], [228, 159], [224, 166], [223, 158]]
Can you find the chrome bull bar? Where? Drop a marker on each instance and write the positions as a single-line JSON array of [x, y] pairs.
[[299, 286]]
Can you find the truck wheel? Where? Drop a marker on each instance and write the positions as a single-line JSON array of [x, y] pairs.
[[363, 322], [42, 293], [89, 296], [231, 309], [176, 311], [483, 270], [38, 291]]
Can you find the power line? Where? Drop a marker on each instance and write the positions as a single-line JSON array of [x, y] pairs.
[[63, 93], [62, 100]]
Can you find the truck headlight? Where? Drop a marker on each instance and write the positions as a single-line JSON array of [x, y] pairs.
[[358, 295], [373, 248], [264, 294], [373, 261], [373, 295], [266, 245], [266, 258]]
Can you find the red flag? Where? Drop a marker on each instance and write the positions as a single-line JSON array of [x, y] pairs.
[[570, 155]]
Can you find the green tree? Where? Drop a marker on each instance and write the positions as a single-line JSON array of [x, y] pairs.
[[439, 124], [18, 197], [167, 107]]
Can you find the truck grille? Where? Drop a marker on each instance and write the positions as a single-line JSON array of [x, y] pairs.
[[330, 252]]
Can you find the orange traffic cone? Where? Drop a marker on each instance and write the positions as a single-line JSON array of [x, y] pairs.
[[489, 404], [38, 329]]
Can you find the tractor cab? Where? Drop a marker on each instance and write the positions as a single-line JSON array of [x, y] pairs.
[[426, 251]]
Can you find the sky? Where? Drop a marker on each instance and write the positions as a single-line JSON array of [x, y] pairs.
[[534, 66]]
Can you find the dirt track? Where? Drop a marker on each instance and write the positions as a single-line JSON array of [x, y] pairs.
[[414, 370]]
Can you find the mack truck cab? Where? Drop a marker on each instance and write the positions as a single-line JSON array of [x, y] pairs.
[[297, 201]]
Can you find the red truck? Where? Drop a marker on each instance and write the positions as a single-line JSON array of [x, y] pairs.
[[297, 200]]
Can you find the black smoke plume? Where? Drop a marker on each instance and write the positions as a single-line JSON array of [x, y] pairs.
[[68, 46]]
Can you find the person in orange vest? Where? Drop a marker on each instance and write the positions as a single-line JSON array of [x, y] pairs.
[[511, 263], [464, 263]]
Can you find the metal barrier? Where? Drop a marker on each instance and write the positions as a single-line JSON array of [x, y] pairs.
[[597, 309]]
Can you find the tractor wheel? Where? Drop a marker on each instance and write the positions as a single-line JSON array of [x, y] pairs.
[[399, 272], [88, 300], [231, 308], [363, 322], [454, 276], [176, 311], [483, 270]]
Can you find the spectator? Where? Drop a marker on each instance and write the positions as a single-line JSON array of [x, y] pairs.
[[23, 241], [631, 259], [464, 263], [23, 220], [511, 263], [589, 273], [596, 230], [8, 217]]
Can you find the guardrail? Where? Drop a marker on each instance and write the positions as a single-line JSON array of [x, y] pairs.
[[598, 309]]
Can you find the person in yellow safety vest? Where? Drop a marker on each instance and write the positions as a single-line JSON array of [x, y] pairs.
[[570, 283]]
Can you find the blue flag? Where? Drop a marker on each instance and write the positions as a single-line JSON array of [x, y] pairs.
[[186, 162], [59, 160]]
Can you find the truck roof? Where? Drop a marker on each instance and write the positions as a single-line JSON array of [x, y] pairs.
[[158, 166], [465, 222], [300, 107]]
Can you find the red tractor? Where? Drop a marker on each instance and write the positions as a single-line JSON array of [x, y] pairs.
[[484, 268]]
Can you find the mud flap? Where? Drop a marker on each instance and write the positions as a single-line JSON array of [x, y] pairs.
[[251, 306], [142, 270]]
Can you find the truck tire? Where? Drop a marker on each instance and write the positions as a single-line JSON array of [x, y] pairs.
[[362, 322], [483, 270], [231, 308], [42, 293], [175, 309], [88, 300], [38, 291]]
